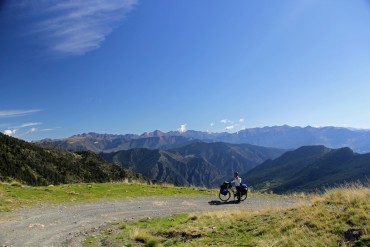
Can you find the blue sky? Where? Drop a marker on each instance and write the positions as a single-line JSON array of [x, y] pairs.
[[130, 66]]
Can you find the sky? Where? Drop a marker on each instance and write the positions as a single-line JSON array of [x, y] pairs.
[[130, 66]]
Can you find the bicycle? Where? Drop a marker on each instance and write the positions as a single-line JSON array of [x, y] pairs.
[[226, 189]]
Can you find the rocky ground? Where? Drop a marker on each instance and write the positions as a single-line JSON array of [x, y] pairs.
[[69, 224]]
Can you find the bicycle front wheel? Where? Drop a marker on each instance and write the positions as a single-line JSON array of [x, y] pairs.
[[244, 196], [223, 197]]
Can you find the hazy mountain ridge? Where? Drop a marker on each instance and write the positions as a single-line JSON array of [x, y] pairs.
[[30, 164], [178, 152], [111, 143], [197, 164], [309, 168], [288, 137], [284, 137]]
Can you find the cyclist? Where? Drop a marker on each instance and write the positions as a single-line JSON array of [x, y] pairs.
[[237, 182]]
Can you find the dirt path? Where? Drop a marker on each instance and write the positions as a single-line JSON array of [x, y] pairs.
[[66, 225]]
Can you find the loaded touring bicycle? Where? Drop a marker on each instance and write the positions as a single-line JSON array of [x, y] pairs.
[[226, 190]]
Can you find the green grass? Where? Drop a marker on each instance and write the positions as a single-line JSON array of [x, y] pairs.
[[325, 222], [15, 195]]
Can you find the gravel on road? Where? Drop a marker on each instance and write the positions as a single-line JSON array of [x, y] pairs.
[[68, 224]]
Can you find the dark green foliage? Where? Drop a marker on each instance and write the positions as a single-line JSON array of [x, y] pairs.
[[30, 164]]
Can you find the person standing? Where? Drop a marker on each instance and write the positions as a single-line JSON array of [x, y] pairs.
[[237, 182]]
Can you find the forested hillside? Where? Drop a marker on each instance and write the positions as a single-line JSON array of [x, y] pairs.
[[30, 164]]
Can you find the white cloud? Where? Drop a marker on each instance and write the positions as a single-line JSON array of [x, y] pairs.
[[27, 125], [12, 131], [74, 27], [183, 128], [212, 124], [9, 132], [231, 127], [30, 131], [17, 113], [46, 129], [226, 121]]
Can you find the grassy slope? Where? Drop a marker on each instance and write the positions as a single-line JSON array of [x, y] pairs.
[[323, 223], [15, 195], [310, 168]]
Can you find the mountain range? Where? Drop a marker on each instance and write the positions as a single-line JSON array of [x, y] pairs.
[[310, 168], [283, 137], [111, 143], [196, 164], [311, 159]]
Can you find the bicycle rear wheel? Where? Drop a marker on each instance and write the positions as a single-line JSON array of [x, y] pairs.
[[223, 197]]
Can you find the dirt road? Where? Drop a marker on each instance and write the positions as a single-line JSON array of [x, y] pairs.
[[68, 224]]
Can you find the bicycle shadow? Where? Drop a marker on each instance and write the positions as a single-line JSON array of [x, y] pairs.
[[218, 203]]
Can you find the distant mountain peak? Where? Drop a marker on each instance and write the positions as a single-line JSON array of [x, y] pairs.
[[155, 133], [284, 136]]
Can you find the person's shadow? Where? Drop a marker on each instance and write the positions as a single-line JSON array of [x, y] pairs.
[[218, 203]]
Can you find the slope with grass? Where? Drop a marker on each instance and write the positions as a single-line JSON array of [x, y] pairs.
[[310, 168], [16, 195], [340, 217]]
